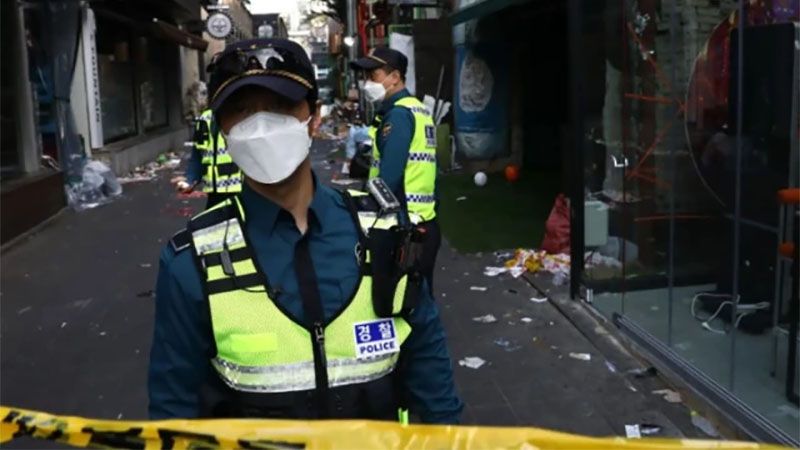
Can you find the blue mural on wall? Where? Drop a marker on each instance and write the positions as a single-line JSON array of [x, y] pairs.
[[481, 101]]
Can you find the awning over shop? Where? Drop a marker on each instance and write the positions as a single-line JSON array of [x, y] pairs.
[[481, 8], [174, 34]]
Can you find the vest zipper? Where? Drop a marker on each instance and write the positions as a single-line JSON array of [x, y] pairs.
[[321, 368]]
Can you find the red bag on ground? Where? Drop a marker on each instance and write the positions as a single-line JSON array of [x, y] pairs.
[[556, 229]]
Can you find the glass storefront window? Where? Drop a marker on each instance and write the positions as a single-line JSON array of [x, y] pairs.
[[115, 68], [694, 134], [150, 77]]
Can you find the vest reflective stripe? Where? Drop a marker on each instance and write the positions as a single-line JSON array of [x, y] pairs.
[[259, 348], [224, 183], [420, 172]]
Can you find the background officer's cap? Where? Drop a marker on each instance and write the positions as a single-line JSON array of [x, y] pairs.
[[380, 57]]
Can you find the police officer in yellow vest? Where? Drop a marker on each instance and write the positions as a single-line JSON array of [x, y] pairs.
[[404, 144], [282, 302], [210, 163]]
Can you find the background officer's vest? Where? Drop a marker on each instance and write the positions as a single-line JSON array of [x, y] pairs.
[[262, 352], [420, 174], [220, 174]]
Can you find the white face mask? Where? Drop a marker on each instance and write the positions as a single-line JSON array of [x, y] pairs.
[[374, 91], [269, 147]]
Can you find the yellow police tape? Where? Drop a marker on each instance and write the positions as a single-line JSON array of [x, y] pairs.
[[298, 434]]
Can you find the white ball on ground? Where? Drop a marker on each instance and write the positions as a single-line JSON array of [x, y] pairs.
[[480, 179]]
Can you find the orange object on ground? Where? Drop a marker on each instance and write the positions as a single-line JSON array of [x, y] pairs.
[[789, 196], [512, 173]]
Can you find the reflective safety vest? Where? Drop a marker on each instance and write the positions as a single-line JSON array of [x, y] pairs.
[[221, 175], [261, 350], [419, 179]]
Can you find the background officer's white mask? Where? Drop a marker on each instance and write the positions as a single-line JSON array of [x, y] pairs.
[[269, 147], [374, 91]]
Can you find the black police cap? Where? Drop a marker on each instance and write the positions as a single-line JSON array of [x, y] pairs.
[[382, 56], [279, 65]]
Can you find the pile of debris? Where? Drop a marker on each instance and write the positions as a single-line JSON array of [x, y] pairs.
[[533, 261]]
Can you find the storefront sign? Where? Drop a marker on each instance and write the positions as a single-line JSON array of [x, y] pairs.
[[92, 78], [219, 25]]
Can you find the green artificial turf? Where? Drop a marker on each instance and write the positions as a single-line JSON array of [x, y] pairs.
[[500, 215]]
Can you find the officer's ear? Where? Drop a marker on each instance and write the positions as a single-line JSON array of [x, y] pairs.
[[316, 119]]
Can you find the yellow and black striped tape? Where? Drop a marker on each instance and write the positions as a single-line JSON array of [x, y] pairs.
[[313, 435]]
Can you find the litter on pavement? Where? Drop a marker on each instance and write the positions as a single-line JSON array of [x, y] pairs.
[[461, 199], [506, 345], [633, 431], [539, 300], [473, 362], [669, 395], [478, 288], [642, 372], [704, 425], [526, 319], [611, 367], [488, 318], [581, 356], [533, 261]]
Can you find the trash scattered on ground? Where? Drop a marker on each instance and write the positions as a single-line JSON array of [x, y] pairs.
[[63, 324], [633, 431], [630, 386], [491, 271], [478, 288], [102, 333], [581, 356], [611, 367], [97, 186], [649, 429], [668, 395], [148, 293], [461, 199], [506, 345], [539, 300], [148, 171], [504, 256], [24, 310], [488, 318], [444, 294], [534, 261], [526, 319], [511, 291], [145, 265], [473, 362], [82, 303], [704, 425], [553, 347], [193, 194], [643, 372]]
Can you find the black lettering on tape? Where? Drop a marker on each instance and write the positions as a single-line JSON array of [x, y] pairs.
[[196, 440], [264, 444], [129, 438]]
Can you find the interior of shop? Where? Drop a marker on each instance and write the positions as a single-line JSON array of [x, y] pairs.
[[695, 157]]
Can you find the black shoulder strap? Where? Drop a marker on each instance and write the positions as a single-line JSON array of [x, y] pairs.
[[181, 240], [213, 217]]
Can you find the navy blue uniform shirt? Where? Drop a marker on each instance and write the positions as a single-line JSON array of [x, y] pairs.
[[183, 340]]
